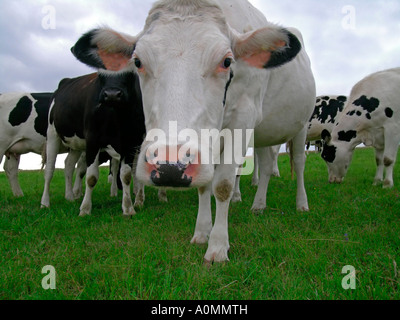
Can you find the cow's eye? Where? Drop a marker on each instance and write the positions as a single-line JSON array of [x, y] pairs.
[[227, 63], [138, 63]]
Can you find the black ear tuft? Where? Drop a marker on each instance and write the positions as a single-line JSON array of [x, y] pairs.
[[279, 58], [85, 51]]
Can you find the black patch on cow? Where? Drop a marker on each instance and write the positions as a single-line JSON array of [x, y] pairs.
[[42, 106], [279, 58], [328, 108], [359, 113], [368, 116], [347, 135], [342, 98], [21, 112], [389, 112], [328, 153], [227, 86], [351, 113], [369, 105]]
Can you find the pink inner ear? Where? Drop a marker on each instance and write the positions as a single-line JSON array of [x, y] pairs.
[[258, 60], [113, 61]]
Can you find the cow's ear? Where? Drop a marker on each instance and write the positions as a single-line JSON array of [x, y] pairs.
[[105, 49], [326, 136], [267, 47]]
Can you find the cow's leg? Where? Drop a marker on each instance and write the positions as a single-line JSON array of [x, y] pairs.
[[138, 190], [80, 174], [11, 169], [265, 157], [70, 162], [392, 139], [218, 243], [237, 196], [52, 149], [92, 176], [204, 219], [380, 167], [162, 195], [256, 177], [126, 179], [299, 159], [114, 173]]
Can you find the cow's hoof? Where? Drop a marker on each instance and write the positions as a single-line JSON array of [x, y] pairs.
[[387, 184], [216, 254], [258, 209], [199, 238], [84, 213], [237, 197], [129, 213]]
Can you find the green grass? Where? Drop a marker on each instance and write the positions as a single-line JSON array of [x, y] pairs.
[[280, 254]]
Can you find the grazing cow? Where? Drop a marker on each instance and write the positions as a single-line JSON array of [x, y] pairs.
[[212, 69], [326, 113], [93, 113], [372, 117]]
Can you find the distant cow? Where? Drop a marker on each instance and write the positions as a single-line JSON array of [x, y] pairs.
[[326, 113], [93, 113], [24, 120], [372, 117]]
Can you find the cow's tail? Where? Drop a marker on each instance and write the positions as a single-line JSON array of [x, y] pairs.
[[290, 146]]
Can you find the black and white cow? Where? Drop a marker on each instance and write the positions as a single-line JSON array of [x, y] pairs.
[[24, 121], [326, 113], [93, 113], [23, 128], [372, 117]]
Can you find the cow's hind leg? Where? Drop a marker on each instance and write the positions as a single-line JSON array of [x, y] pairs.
[[299, 159], [390, 155], [52, 149], [11, 169], [70, 162], [265, 157], [380, 167]]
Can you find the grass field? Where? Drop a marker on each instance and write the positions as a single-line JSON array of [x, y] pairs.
[[280, 254]]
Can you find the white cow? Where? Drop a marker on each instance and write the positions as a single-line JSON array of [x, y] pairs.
[[372, 117], [211, 69]]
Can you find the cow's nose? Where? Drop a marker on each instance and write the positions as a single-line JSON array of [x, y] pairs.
[[167, 170], [113, 94]]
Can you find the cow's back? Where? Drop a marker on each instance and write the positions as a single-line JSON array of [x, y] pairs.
[[71, 102]]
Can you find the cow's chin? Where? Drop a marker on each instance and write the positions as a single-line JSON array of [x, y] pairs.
[[172, 176]]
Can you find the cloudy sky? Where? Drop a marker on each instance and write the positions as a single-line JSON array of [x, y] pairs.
[[346, 39]]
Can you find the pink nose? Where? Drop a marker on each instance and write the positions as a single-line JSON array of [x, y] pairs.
[[166, 168]]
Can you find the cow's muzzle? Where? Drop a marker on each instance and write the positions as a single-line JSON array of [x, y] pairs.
[[167, 170]]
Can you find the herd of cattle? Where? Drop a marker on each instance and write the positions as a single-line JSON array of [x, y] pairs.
[[204, 65]]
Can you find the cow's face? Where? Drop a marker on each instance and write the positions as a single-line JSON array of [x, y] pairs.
[[117, 89], [187, 58], [338, 156]]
